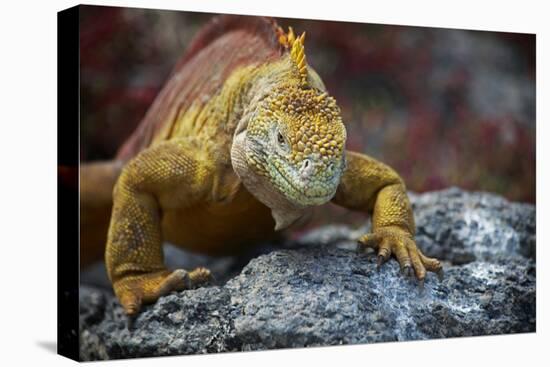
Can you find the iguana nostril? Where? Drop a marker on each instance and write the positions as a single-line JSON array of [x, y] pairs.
[[305, 165], [307, 169]]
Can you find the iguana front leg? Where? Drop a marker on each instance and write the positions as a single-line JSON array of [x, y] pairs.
[[169, 173], [371, 186]]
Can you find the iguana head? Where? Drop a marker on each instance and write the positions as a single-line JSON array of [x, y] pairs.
[[294, 143]]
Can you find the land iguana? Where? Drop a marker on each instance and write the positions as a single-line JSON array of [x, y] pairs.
[[240, 142]]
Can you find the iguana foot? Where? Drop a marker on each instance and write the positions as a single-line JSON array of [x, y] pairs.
[[394, 240], [135, 290]]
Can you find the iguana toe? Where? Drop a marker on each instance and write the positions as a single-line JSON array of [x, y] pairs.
[[135, 290], [387, 241], [200, 276]]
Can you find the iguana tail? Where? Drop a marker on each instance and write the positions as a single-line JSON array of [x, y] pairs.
[[97, 180]]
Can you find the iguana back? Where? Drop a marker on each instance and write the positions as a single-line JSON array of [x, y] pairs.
[[225, 43]]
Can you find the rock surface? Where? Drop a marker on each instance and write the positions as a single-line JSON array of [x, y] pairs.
[[318, 291]]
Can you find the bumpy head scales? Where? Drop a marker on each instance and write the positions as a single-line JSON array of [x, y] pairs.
[[297, 143], [291, 155]]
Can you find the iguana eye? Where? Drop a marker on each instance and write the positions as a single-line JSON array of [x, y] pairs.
[[280, 142], [281, 139]]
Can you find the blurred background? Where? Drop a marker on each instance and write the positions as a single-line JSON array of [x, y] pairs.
[[443, 107]]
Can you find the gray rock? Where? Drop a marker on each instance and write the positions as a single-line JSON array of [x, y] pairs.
[[318, 291], [461, 227]]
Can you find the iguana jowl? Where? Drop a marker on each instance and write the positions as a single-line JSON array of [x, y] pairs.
[[240, 142]]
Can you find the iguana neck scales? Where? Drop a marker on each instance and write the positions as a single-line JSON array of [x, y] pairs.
[[242, 140]]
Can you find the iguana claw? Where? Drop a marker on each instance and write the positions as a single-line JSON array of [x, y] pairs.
[[133, 291], [395, 241], [380, 260]]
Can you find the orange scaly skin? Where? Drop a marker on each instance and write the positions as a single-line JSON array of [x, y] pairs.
[[231, 167]]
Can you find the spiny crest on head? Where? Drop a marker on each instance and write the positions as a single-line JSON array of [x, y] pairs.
[[297, 51]]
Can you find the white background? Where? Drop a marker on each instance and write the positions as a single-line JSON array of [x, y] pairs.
[[28, 161]]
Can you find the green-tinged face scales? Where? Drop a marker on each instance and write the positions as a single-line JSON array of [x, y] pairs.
[[297, 141]]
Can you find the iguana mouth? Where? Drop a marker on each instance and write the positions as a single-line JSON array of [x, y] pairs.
[[297, 189]]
